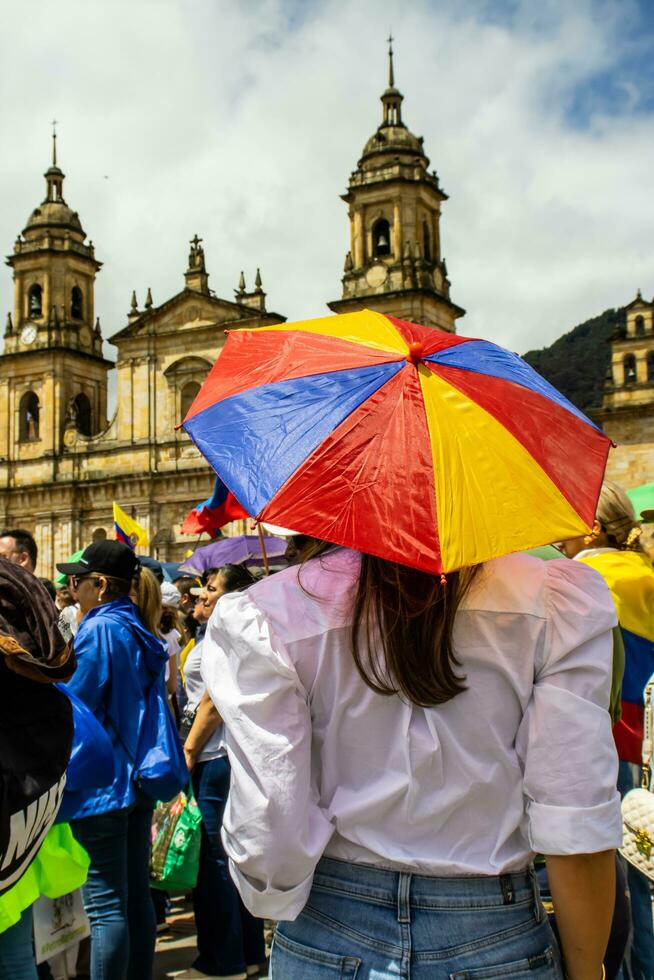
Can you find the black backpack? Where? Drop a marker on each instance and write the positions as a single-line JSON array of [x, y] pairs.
[[36, 732]]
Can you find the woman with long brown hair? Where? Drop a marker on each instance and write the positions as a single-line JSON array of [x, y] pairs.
[[401, 746]]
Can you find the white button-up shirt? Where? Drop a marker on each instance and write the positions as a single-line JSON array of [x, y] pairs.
[[522, 761]]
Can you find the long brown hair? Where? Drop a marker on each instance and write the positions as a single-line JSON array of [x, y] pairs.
[[616, 515], [402, 627], [402, 630]]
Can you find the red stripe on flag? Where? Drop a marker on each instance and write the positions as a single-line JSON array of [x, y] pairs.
[[211, 519], [121, 536], [628, 732]]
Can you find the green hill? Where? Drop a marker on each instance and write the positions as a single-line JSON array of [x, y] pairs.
[[577, 362]]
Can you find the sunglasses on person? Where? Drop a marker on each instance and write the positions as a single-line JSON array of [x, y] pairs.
[[76, 579]]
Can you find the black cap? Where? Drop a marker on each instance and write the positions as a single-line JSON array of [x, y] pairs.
[[111, 558]]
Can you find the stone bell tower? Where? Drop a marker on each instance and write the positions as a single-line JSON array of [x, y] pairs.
[[53, 376], [627, 412], [395, 264]]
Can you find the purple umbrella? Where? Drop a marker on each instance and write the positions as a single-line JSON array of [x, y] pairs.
[[245, 549]]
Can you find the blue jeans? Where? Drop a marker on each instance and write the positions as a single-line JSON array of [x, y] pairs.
[[17, 950], [363, 922], [639, 962], [229, 938], [117, 891]]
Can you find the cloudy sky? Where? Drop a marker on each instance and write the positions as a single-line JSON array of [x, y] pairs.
[[241, 120]]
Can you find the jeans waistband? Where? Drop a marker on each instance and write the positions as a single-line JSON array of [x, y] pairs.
[[430, 891]]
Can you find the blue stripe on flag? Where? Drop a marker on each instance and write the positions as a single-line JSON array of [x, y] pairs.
[[120, 534], [257, 439], [639, 666]]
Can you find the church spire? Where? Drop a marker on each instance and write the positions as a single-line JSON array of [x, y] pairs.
[[54, 177], [392, 98], [196, 275]]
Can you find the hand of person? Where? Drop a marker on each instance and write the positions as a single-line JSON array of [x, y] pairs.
[[190, 759]]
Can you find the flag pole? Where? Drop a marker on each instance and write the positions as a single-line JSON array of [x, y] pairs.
[[262, 542]]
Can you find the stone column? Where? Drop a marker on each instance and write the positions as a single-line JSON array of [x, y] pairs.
[[358, 240], [397, 232]]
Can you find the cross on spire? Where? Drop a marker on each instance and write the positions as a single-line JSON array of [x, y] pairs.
[[391, 76], [195, 241], [54, 142]]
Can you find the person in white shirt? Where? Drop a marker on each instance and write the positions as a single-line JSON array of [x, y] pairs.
[[400, 750], [229, 939]]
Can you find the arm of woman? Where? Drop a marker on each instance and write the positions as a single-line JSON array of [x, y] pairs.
[[171, 683], [570, 765], [274, 829], [205, 723], [583, 893], [92, 645]]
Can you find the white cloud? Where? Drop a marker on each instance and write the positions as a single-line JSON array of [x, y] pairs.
[[242, 122]]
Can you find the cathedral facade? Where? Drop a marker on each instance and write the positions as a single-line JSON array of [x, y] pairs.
[[63, 462], [627, 413]]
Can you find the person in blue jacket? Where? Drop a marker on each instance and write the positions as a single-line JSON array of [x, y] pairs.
[[118, 660]]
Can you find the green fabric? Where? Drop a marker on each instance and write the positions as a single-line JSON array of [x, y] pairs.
[[61, 579], [175, 854], [642, 498], [615, 707], [60, 867], [546, 552]]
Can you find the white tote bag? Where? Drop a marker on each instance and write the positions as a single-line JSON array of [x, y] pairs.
[[638, 805]]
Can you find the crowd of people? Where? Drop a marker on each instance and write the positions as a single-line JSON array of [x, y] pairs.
[[394, 767]]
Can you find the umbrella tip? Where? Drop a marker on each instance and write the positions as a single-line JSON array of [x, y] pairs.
[[416, 351]]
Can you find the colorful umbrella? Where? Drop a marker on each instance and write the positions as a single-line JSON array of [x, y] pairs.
[[241, 549], [406, 442]]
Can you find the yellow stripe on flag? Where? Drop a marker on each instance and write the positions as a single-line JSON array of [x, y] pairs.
[[130, 528], [492, 497]]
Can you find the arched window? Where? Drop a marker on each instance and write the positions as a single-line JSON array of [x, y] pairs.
[[76, 303], [35, 300], [84, 419], [184, 378], [188, 395], [629, 365], [640, 326], [426, 241], [28, 417], [381, 238], [650, 366]]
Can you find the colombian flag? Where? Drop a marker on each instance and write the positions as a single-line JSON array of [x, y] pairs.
[[218, 509], [630, 577], [128, 530]]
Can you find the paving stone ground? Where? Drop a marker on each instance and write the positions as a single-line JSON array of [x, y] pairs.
[[176, 946]]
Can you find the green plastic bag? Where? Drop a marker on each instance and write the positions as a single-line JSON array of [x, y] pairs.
[[175, 851], [60, 866]]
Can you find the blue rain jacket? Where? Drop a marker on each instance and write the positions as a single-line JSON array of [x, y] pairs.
[[117, 660]]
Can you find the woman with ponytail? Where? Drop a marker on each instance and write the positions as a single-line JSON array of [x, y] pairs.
[[118, 659], [402, 744], [613, 548]]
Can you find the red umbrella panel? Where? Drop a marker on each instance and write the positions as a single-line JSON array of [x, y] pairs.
[[407, 442]]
